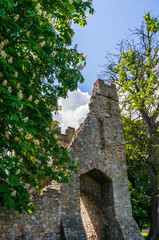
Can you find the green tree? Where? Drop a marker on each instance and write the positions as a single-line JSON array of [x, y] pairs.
[[138, 169], [37, 65], [135, 71]]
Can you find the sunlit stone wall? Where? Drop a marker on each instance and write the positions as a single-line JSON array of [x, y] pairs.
[[95, 204]]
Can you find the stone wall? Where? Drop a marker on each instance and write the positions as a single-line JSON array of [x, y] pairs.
[[44, 224], [95, 204]]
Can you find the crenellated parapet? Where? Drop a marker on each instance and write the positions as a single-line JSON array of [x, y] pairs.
[[106, 90], [66, 139]]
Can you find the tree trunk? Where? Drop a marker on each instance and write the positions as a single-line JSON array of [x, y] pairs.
[[153, 161], [154, 196]]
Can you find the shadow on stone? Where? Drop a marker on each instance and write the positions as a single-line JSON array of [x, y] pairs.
[[97, 207]]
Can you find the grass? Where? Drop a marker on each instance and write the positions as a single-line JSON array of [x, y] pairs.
[[145, 235]]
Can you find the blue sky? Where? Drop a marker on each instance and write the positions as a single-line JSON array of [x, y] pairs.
[[109, 24]]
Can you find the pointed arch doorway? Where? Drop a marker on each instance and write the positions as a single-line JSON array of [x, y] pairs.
[[97, 207]]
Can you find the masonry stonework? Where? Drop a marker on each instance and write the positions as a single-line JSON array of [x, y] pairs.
[[95, 204]]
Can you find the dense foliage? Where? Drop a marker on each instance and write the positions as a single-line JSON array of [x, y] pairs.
[[138, 173], [135, 71], [37, 65]]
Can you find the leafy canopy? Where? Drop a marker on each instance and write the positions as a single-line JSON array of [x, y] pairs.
[[138, 170], [137, 71], [37, 65]]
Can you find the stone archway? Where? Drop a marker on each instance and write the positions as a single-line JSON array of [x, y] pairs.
[[97, 207]]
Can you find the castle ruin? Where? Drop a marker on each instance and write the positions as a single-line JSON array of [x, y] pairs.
[[95, 204]]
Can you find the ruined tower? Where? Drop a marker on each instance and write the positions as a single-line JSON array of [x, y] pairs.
[[95, 204]]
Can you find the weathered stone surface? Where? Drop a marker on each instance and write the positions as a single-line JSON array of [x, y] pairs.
[[96, 203]]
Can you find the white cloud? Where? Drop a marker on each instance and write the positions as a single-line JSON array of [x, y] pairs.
[[74, 109]]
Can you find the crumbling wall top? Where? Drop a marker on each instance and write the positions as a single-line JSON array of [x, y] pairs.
[[100, 88], [65, 139]]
